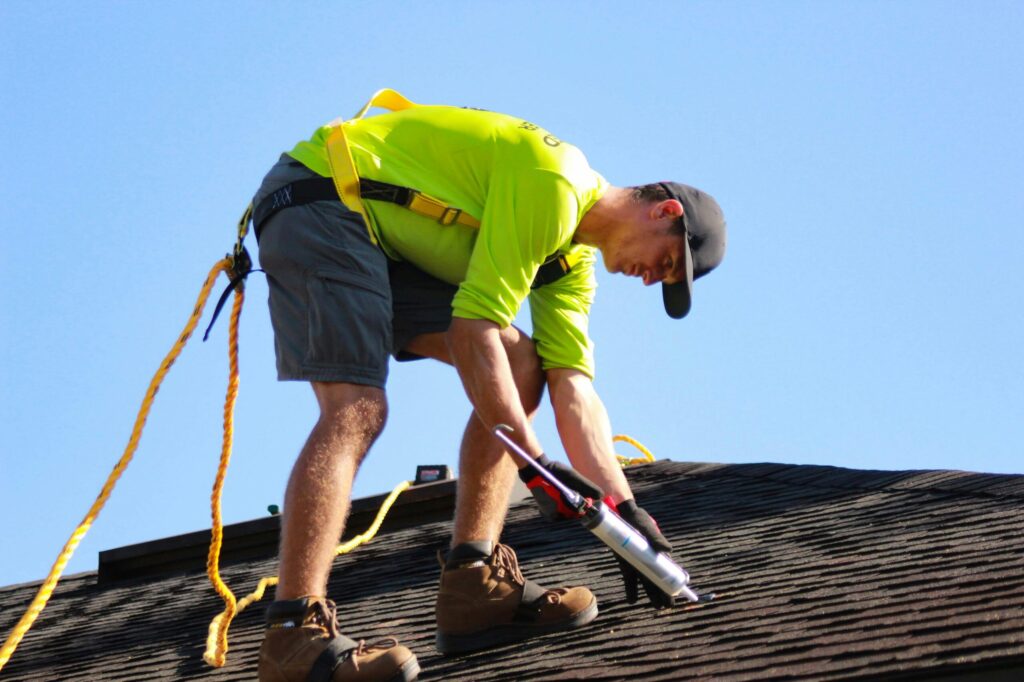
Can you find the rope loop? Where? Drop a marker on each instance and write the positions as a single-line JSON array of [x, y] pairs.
[[626, 461]]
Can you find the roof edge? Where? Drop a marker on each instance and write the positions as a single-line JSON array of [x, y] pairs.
[[258, 538]]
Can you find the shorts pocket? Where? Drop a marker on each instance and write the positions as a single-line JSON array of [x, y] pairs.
[[349, 323]]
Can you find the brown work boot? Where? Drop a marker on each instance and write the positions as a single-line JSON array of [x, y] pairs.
[[484, 600], [302, 644]]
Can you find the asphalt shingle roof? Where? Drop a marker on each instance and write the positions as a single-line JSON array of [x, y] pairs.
[[821, 573]]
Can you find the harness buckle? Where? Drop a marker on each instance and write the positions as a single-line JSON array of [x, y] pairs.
[[450, 215], [241, 263]]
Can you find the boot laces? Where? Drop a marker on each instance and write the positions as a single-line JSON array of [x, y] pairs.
[[364, 648], [554, 596], [507, 561], [324, 613]]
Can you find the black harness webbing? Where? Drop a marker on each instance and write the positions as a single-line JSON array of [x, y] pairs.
[[297, 193], [322, 189]]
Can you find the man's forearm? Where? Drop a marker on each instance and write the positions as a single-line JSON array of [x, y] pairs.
[[586, 431], [483, 366]]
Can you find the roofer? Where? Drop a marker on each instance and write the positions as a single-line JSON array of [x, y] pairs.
[[457, 217]]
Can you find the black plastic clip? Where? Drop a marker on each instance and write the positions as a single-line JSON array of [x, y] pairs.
[[241, 267]]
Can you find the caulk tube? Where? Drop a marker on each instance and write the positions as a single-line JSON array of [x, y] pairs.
[[622, 538], [631, 545]]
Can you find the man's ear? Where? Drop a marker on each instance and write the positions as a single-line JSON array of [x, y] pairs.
[[669, 208]]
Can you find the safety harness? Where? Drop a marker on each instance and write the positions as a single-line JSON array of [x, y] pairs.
[[324, 189], [352, 190], [346, 185]]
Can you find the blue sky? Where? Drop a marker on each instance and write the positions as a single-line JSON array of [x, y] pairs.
[[868, 156]]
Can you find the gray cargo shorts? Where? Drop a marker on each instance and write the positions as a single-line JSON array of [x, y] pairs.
[[339, 307]]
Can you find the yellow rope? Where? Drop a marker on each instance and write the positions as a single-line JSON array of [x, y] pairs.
[[50, 584], [626, 461], [217, 535], [368, 534], [216, 640]]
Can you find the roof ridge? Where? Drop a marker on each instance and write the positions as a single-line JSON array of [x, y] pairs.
[[34, 584], [945, 482]]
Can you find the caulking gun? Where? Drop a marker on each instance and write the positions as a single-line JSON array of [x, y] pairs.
[[609, 527]]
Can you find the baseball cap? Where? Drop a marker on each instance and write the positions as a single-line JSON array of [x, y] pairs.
[[705, 244]]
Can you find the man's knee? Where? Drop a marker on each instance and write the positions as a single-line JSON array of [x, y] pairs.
[[352, 411]]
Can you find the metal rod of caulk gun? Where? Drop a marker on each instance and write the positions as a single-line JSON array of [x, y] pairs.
[[622, 538], [574, 498]]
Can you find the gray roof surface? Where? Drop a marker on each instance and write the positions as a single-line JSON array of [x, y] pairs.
[[821, 572]]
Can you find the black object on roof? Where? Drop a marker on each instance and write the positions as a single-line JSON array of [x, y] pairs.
[[821, 573]]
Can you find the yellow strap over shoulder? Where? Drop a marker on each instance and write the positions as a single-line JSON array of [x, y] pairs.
[[343, 170], [385, 99], [346, 180]]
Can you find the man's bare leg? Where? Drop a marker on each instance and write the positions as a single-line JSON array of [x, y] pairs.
[[482, 592], [486, 471], [301, 632], [317, 498], [486, 475]]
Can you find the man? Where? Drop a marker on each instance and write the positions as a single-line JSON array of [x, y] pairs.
[[452, 218]]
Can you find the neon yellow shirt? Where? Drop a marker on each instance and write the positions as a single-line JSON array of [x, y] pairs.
[[527, 188]]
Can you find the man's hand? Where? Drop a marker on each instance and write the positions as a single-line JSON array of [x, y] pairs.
[[551, 501], [642, 521]]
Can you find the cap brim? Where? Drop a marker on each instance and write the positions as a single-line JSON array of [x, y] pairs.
[[678, 296]]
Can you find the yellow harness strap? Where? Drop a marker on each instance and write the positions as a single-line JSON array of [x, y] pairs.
[[427, 205], [568, 260], [346, 180]]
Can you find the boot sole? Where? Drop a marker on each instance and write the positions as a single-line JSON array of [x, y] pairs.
[[409, 671], [449, 644]]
